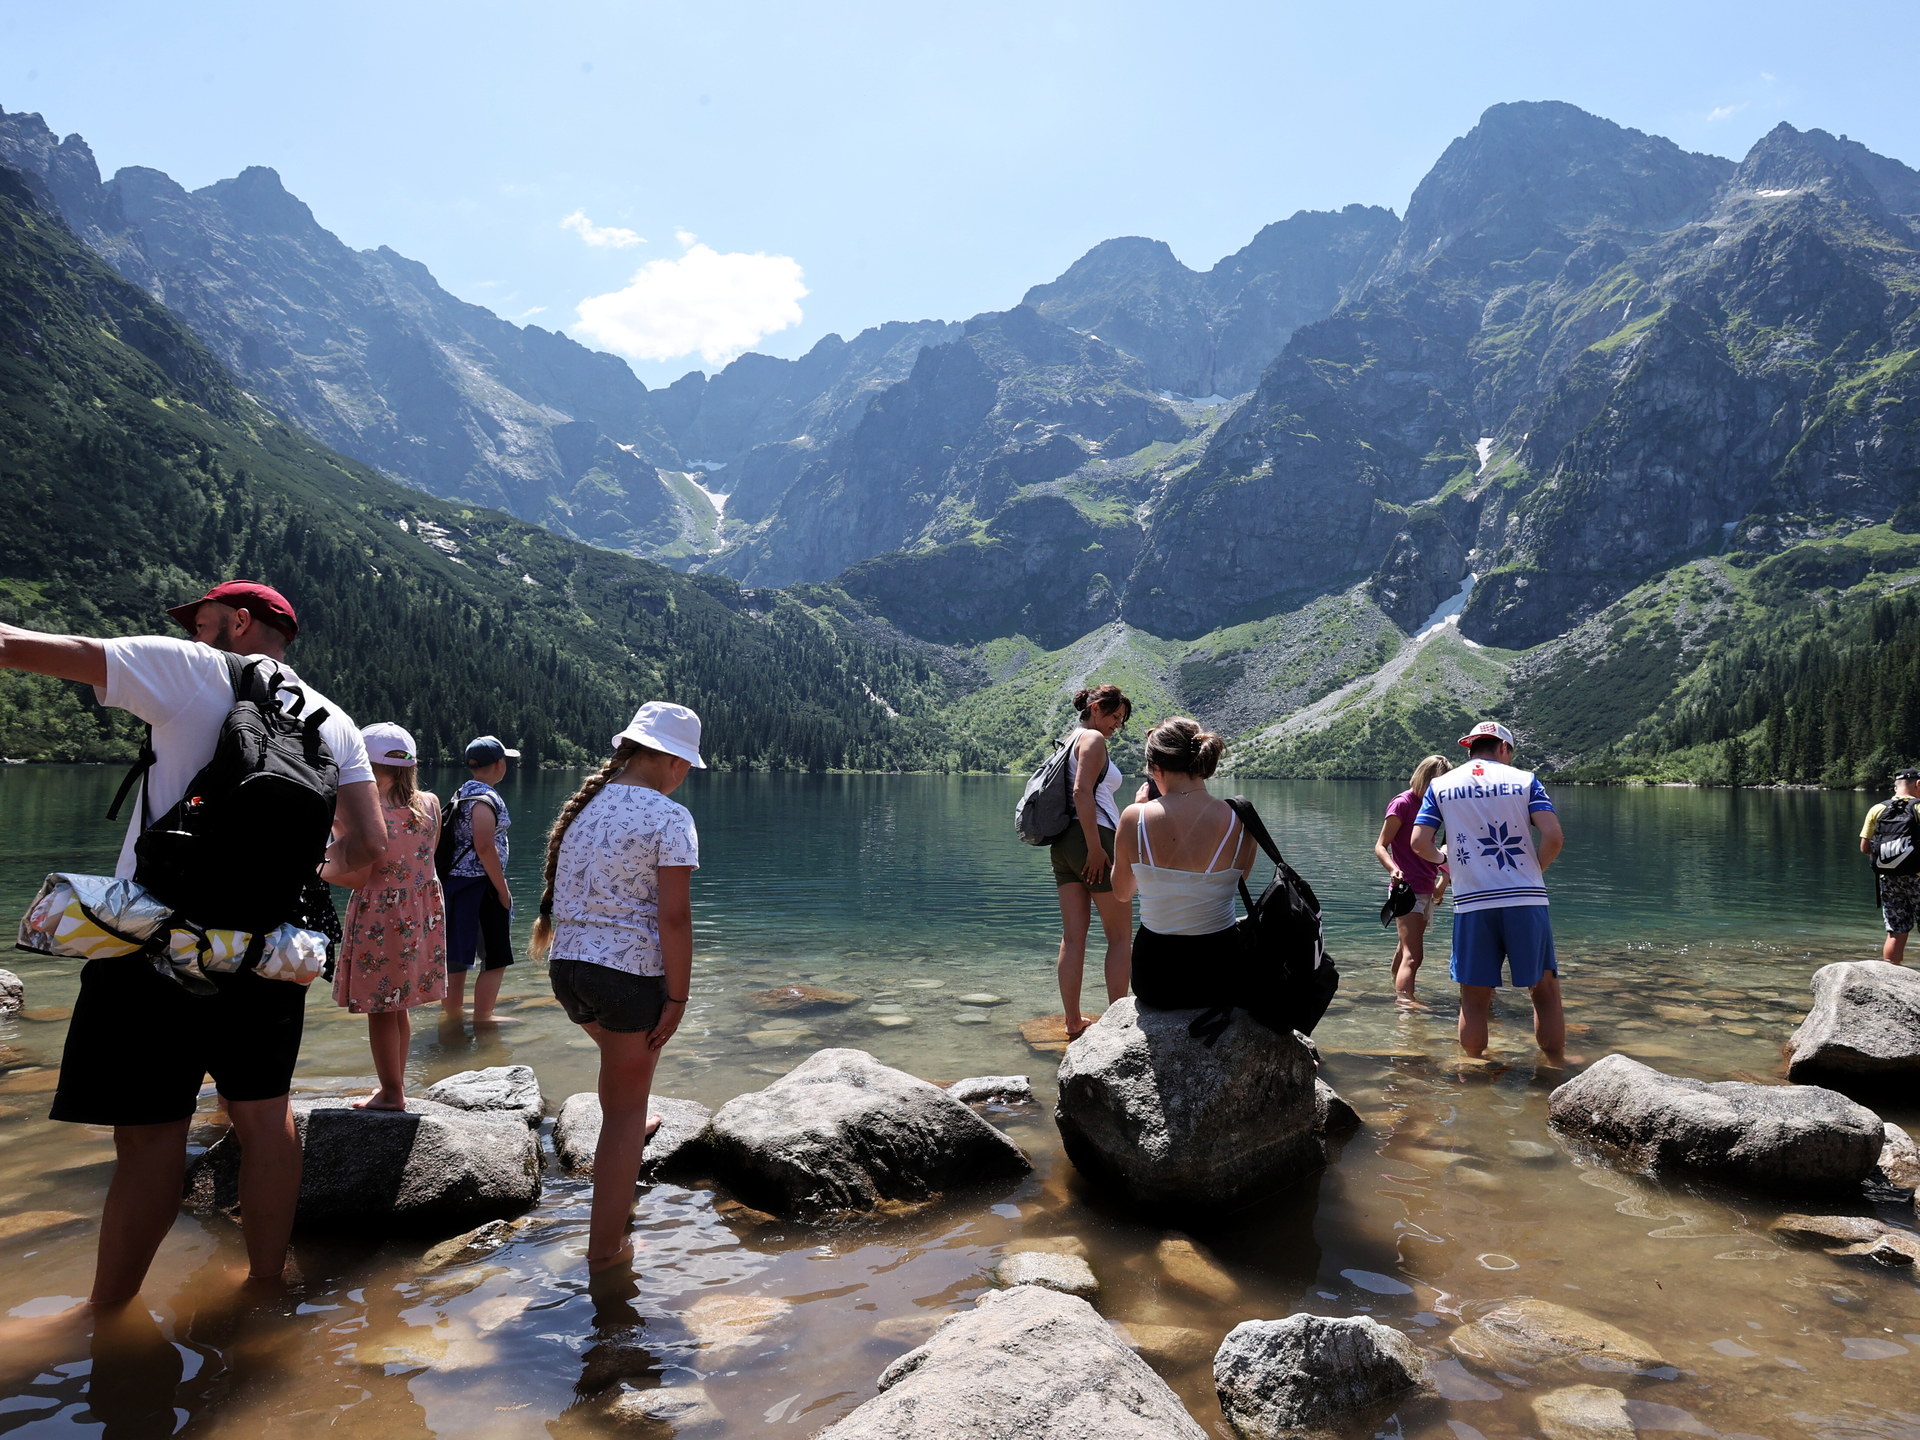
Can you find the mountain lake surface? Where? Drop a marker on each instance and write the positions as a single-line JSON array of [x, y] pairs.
[[1688, 924]]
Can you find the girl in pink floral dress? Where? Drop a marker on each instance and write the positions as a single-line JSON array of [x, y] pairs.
[[393, 955]]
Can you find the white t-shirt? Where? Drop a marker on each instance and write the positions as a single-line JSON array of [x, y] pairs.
[[1482, 812], [184, 690], [606, 885]]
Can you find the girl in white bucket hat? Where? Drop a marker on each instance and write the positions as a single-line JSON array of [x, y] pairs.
[[616, 926]]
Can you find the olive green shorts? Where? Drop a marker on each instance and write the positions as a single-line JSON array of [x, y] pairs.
[[1069, 855]]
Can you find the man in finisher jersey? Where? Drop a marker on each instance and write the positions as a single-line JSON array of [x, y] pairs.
[[1486, 813]]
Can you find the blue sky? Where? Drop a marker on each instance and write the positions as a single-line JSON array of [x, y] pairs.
[[891, 161]]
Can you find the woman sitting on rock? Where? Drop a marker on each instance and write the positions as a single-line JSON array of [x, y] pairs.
[[1186, 852], [616, 920], [1083, 857]]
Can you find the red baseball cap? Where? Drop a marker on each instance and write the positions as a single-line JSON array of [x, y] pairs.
[[263, 602]]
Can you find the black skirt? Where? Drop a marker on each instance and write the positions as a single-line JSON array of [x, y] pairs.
[[1186, 972]]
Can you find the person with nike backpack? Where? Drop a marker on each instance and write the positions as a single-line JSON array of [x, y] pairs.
[[1891, 840], [249, 780]]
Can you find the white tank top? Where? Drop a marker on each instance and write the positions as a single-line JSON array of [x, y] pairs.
[[1106, 811], [1188, 902]]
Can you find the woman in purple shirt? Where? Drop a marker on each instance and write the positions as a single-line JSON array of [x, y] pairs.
[[1427, 880]]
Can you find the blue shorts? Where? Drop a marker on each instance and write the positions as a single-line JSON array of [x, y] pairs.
[[1519, 934]]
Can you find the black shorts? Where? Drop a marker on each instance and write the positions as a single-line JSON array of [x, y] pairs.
[[478, 925], [616, 1000], [139, 1046]]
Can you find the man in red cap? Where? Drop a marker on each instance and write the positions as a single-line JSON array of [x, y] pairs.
[[139, 1046]]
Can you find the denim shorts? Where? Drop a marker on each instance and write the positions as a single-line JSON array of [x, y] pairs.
[[615, 1000], [1519, 934]]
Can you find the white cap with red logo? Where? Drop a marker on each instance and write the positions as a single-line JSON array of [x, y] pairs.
[[1491, 728]]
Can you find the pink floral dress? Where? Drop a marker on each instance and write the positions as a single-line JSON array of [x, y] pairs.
[[393, 955]]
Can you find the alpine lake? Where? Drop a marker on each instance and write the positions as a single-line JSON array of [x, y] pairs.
[[1688, 924]]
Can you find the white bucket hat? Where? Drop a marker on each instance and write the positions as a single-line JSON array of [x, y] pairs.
[[660, 725], [388, 744]]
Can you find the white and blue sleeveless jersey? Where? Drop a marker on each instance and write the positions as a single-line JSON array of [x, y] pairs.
[[1480, 812]]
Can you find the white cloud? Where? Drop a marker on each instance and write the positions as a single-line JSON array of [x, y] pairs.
[[529, 313], [715, 303], [601, 236], [1725, 112]]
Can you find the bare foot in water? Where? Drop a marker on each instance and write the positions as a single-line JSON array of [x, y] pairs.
[[382, 1100], [1075, 1032], [1407, 1002], [621, 1257]]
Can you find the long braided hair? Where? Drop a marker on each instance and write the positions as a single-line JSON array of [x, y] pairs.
[[569, 812]]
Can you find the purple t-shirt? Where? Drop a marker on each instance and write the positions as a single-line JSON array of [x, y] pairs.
[[1420, 873]]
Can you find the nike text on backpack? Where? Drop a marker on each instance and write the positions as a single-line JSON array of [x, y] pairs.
[[1045, 811], [241, 849], [1896, 846]]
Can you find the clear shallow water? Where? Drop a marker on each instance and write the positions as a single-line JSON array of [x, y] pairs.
[[1688, 924]]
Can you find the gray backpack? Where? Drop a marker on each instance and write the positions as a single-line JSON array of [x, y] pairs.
[[1045, 811]]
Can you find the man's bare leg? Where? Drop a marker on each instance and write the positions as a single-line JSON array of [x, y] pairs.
[[1476, 1004], [269, 1181], [149, 1171], [1549, 1018], [1895, 949]]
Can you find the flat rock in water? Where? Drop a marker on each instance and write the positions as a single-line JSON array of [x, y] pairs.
[[1007, 1089], [969, 1017], [1539, 1335], [843, 1133], [1828, 1231], [1583, 1412], [675, 1150], [1864, 1025], [1022, 1364], [1788, 1138], [1890, 1247], [1045, 1034], [1182, 1264], [1182, 1128], [13, 993], [981, 998], [429, 1169], [512, 1090], [892, 1022], [36, 1224], [1069, 1274], [1310, 1372], [719, 1323], [1899, 1167], [655, 1412], [48, 1014], [476, 1244], [1177, 1347], [801, 1000]]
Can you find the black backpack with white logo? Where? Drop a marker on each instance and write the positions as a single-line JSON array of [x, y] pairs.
[[1287, 979], [241, 848], [1896, 845], [1045, 811]]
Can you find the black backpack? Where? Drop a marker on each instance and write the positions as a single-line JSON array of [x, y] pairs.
[[446, 848], [1287, 979], [241, 849], [1896, 847], [1045, 811]]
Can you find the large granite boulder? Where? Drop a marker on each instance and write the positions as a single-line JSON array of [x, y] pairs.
[[1796, 1139], [512, 1091], [1864, 1025], [677, 1150], [1310, 1372], [427, 1170], [1183, 1128], [843, 1133], [1023, 1364]]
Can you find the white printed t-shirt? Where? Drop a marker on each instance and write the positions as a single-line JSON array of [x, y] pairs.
[[184, 690], [606, 884], [1480, 811]]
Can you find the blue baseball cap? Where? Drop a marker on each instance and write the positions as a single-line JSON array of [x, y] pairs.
[[488, 749]]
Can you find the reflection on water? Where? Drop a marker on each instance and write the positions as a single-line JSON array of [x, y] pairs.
[[1688, 925]]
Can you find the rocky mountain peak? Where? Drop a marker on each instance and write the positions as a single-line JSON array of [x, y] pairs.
[[257, 201], [1786, 160], [1533, 175], [1129, 259]]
